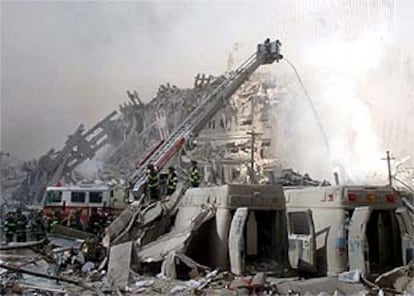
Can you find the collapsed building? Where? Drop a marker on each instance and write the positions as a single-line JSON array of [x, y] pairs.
[[225, 225]]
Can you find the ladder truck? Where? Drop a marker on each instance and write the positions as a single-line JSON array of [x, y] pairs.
[[266, 53]]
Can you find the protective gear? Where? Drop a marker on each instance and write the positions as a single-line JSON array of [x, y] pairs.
[[38, 226], [95, 222], [74, 221], [194, 177], [153, 183], [172, 181], [107, 219], [9, 227], [55, 220], [21, 224], [93, 250]]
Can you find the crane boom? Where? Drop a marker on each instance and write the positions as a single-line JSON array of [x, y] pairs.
[[266, 53]]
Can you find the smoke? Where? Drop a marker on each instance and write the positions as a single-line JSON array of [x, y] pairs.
[[355, 150], [336, 66]]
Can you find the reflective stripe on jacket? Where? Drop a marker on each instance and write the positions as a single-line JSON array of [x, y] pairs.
[[194, 176], [153, 180], [172, 182]]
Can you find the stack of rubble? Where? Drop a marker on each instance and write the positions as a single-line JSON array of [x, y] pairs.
[[159, 117], [128, 134], [289, 177], [223, 149]]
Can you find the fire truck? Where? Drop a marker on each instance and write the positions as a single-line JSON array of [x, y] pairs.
[[84, 197]]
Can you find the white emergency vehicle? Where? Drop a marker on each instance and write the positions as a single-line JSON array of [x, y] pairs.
[[337, 228]]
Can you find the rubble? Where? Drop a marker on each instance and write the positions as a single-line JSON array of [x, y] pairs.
[[207, 240], [398, 280], [89, 277], [21, 245], [119, 265], [47, 276], [176, 240], [289, 177]]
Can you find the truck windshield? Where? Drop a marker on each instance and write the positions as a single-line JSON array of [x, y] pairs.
[[54, 197]]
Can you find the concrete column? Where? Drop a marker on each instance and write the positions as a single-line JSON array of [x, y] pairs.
[[223, 222]]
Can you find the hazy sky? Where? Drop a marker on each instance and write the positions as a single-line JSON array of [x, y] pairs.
[[66, 63]]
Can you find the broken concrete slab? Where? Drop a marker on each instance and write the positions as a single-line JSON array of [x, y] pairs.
[[175, 240], [174, 259], [68, 232], [21, 245], [315, 286], [398, 278], [119, 265], [120, 223], [138, 216]]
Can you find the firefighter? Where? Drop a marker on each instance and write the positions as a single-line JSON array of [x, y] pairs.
[[107, 218], [153, 183], [55, 220], [194, 177], [74, 220], [95, 222], [172, 180], [9, 227], [92, 249], [21, 225], [38, 226]]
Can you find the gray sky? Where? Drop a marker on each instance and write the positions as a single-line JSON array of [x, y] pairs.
[[66, 63]]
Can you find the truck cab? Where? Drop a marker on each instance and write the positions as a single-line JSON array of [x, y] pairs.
[[338, 228]]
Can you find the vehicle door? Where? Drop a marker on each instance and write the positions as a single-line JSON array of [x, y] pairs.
[[357, 242], [236, 242], [302, 243], [407, 237]]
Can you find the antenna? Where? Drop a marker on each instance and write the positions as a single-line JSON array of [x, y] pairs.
[[388, 159]]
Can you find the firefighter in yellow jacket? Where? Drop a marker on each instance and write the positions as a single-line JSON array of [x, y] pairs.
[[194, 178], [172, 180], [9, 227], [153, 181]]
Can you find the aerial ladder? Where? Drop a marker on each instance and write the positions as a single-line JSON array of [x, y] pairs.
[[266, 53]]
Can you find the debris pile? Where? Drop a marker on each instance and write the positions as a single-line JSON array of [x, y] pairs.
[[160, 247], [223, 148], [126, 134], [397, 281], [289, 177], [59, 271]]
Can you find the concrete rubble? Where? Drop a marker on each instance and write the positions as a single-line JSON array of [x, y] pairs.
[[155, 248], [28, 273], [129, 133]]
